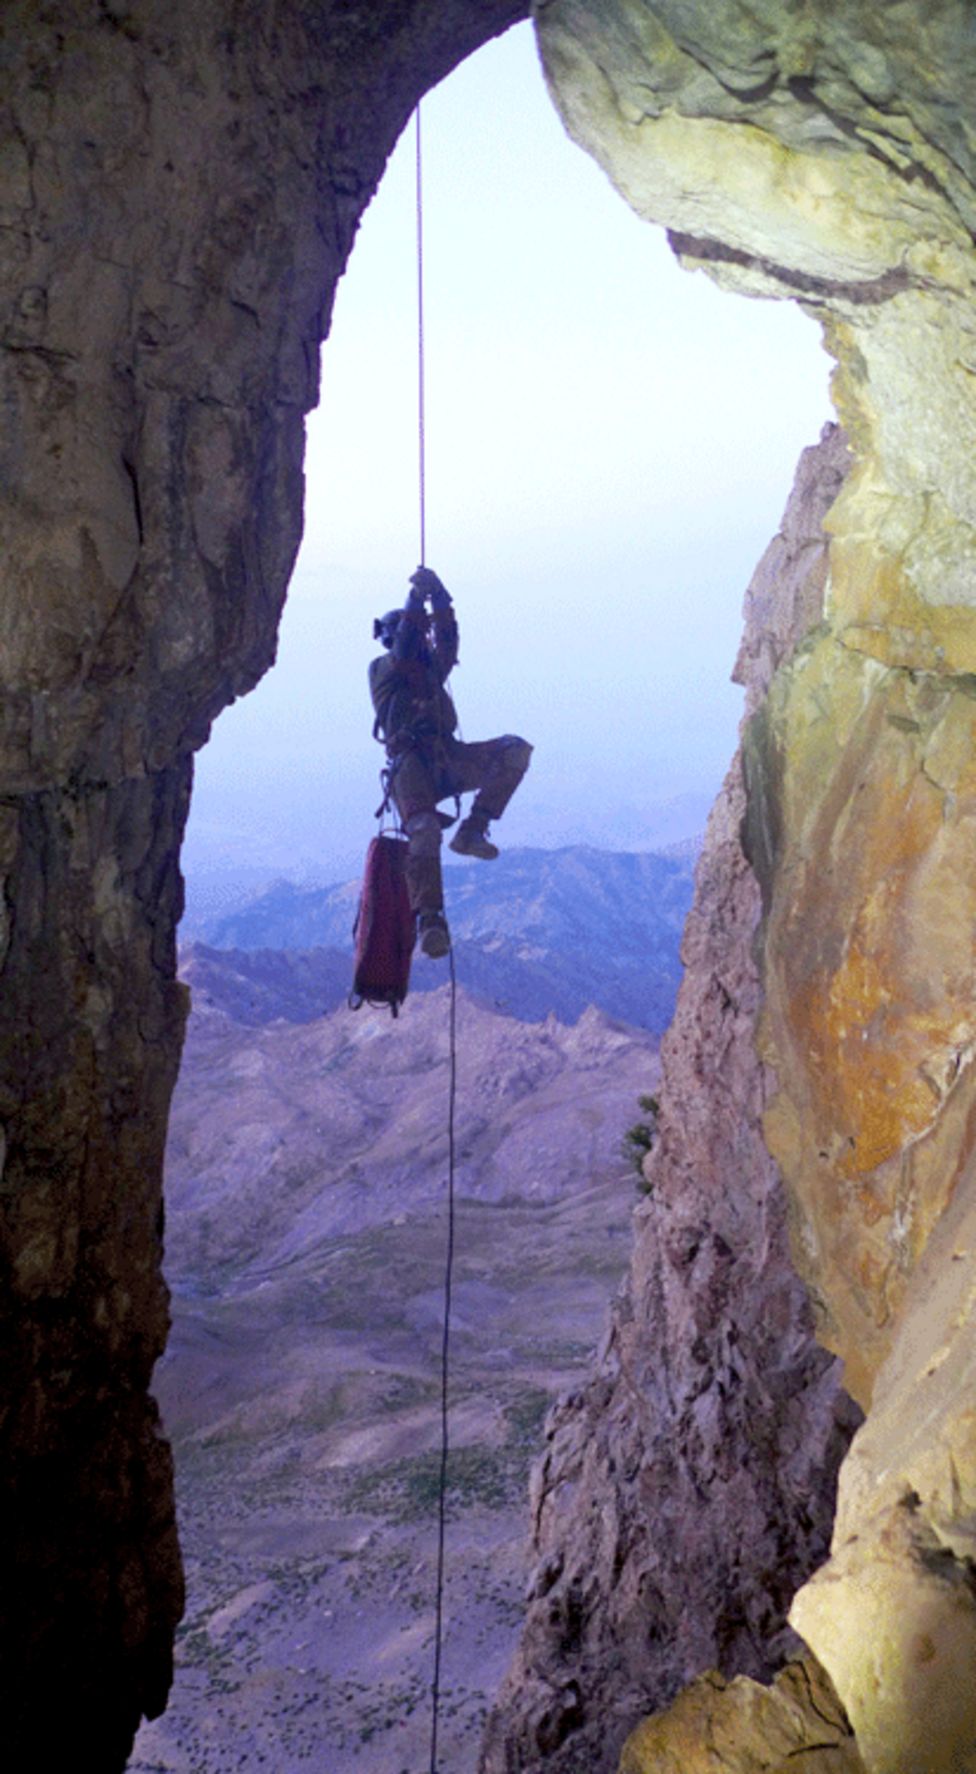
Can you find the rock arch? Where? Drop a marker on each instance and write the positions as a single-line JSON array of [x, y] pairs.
[[181, 186]]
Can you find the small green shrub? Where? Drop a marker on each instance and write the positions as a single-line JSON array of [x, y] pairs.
[[639, 1139]]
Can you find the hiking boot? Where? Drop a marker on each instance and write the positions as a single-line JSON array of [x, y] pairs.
[[471, 839], [435, 938]]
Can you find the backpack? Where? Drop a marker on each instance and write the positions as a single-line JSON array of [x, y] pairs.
[[384, 927]]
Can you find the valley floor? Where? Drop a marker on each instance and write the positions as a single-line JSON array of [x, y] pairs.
[[303, 1403]]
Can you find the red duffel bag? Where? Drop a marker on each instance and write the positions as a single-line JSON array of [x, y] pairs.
[[384, 927]]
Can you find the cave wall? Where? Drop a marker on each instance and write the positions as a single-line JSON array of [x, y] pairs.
[[180, 184], [180, 189], [823, 152]]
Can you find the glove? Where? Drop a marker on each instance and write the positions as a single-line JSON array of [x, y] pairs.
[[425, 584]]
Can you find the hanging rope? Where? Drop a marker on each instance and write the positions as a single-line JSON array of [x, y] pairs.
[[445, 1371], [435, 1687], [421, 408]]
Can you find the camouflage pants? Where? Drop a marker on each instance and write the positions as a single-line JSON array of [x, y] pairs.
[[422, 777]]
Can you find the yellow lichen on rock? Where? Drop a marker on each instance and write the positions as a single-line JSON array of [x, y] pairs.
[[827, 151], [893, 1617], [870, 970], [745, 1728], [687, 151], [903, 560], [893, 1614]]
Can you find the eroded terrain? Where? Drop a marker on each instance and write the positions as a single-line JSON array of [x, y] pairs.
[[301, 1385]]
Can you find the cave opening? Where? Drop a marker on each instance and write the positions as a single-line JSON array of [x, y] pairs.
[[181, 188], [613, 444]]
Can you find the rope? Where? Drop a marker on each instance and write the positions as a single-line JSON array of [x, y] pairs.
[[445, 1370], [435, 1686], [421, 403]]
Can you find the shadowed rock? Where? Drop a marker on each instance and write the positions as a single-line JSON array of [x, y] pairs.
[[181, 187], [690, 1486]]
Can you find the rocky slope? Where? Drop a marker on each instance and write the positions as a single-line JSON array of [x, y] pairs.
[[301, 1382], [261, 985], [689, 1487]]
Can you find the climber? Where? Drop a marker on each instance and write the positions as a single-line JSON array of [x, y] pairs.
[[416, 719]]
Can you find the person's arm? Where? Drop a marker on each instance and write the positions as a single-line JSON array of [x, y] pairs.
[[443, 626], [411, 635]]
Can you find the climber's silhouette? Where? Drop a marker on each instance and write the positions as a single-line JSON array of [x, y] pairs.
[[427, 763]]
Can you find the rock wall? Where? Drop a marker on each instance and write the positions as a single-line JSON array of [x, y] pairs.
[[180, 184], [180, 187], [685, 1494], [745, 1728], [826, 152]]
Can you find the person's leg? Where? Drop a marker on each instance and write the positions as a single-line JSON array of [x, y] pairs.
[[494, 767], [413, 791]]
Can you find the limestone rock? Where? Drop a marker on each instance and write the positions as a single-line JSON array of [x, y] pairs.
[[682, 1494], [741, 1727], [828, 151], [179, 188], [92, 1029], [805, 153], [870, 1021], [183, 185], [180, 184], [893, 1613]]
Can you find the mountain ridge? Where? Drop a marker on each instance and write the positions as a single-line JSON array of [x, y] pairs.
[[536, 932]]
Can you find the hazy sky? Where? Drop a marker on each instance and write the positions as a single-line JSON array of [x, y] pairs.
[[610, 445]]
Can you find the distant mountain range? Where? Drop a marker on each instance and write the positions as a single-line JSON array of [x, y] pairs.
[[538, 932]]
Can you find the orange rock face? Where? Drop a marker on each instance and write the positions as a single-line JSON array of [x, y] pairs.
[[802, 151], [871, 1013]]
